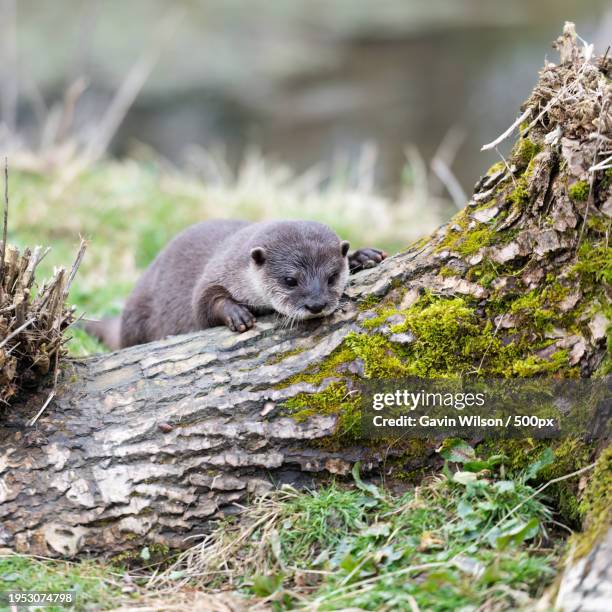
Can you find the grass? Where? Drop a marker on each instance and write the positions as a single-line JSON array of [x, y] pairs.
[[474, 536], [94, 585]]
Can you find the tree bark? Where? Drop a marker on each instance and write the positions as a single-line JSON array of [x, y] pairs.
[[151, 443], [586, 583]]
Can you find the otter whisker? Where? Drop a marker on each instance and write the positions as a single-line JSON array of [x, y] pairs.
[[286, 323]]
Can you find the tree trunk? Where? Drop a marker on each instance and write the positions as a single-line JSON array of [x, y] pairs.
[[150, 443]]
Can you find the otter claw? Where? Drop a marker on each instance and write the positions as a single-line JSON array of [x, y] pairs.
[[238, 318], [365, 258]]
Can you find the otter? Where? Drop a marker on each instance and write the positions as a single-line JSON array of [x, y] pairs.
[[226, 272]]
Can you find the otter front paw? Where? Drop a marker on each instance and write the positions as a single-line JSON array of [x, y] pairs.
[[237, 317], [365, 258]]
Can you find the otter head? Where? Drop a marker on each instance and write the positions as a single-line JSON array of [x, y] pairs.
[[301, 268]]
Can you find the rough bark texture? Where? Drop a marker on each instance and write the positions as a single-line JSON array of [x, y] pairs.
[[150, 443], [587, 583]]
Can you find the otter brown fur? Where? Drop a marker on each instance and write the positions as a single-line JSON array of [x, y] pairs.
[[227, 272]]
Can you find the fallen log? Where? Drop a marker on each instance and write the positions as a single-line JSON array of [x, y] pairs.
[[151, 443], [155, 440]]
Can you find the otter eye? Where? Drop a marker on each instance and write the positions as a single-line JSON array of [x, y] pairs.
[[290, 281], [332, 279]]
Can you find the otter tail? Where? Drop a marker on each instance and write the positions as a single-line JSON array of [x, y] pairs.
[[108, 331]]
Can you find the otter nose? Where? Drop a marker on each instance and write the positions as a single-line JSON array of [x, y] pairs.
[[316, 307]]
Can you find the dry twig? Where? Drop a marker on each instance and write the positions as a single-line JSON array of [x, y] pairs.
[[32, 321]]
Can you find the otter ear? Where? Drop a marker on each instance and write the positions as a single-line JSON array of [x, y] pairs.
[[344, 247], [258, 255]]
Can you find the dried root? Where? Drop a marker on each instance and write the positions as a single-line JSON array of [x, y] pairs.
[[32, 319]]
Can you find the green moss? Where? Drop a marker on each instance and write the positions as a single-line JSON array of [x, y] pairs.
[[465, 241], [475, 240], [126, 557], [598, 224], [451, 340], [406, 466], [378, 320], [579, 191], [532, 365], [496, 168], [483, 274], [378, 355], [418, 244], [487, 271], [332, 398], [596, 506], [605, 367], [445, 271], [530, 301], [525, 150], [159, 549], [540, 310], [519, 196], [379, 361], [280, 357], [524, 157], [594, 263], [156, 553], [328, 368], [606, 180], [335, 399], [486, 280], [533, 305], [369, 302], [446, 335], [555, 291]]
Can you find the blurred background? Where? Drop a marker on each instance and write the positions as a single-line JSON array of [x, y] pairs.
[[126, 121], [304, 81]]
